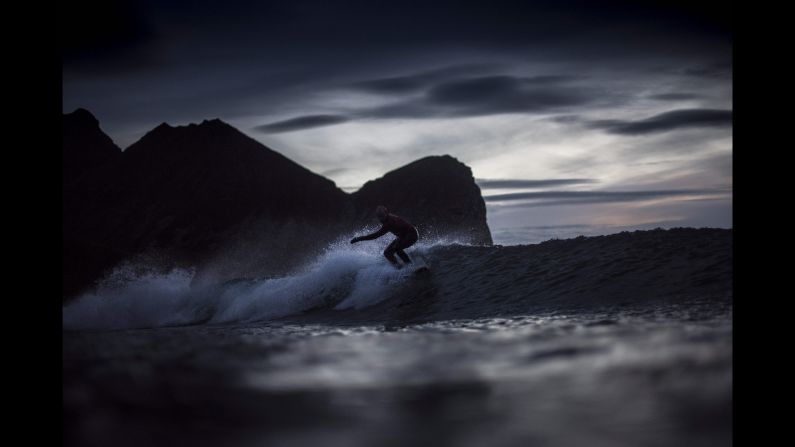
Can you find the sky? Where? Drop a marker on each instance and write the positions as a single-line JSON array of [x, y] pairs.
[[576, 117]]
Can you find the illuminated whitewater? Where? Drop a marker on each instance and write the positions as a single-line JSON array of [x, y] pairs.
[[343, 278]]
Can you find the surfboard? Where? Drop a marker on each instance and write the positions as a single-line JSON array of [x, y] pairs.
[[422, 271]]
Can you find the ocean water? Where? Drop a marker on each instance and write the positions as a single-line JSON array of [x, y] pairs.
[[621, 340]]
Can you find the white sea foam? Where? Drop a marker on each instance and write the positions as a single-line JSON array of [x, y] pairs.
[[345, 276]]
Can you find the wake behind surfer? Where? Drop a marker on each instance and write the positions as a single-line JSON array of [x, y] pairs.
[[406, 235]]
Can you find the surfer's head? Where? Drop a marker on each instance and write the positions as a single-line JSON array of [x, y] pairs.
[[381, 213]]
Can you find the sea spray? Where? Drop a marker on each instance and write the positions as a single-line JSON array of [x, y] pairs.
[[345, 275], [148, 300]]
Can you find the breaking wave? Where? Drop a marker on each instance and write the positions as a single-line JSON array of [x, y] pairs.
[[356, 284]]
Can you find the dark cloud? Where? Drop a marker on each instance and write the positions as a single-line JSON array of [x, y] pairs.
[[301, 122], [412, 109], [516, 184], [302, 47], [107, 37], [488, 95], [667, 121], [547, 198], [566, 119], [676, 96], [722, 70], [495, 94], [393, 85], [307, 26], [419, 81]]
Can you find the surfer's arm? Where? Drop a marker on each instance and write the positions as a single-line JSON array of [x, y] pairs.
[[368, 237]]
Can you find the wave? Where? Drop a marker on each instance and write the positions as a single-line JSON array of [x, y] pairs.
[[355, 283]]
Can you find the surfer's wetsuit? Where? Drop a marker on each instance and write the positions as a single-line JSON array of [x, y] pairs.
[[406, 237]]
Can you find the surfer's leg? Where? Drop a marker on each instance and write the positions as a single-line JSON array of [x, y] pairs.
[[404, 256], [405, 242], [389, 253]]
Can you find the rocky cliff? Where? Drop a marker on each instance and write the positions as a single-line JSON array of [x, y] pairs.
[[437, 194]]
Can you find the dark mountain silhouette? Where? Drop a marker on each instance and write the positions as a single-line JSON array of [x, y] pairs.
[[214, 170], [438, 194], [209, 197], [88, 157], [85, 147]]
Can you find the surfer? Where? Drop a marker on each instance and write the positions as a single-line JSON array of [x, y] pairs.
[[406, 235]]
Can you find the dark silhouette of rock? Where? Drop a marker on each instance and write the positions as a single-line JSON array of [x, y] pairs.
[[208, 196], [193, 195], [88, 155], [85, 147], [208, 191], [190, 183], [437, 194]]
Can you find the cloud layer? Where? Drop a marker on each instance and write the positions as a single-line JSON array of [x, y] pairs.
[[520, 184], [666, 122], [303, 122], [547, 198]]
